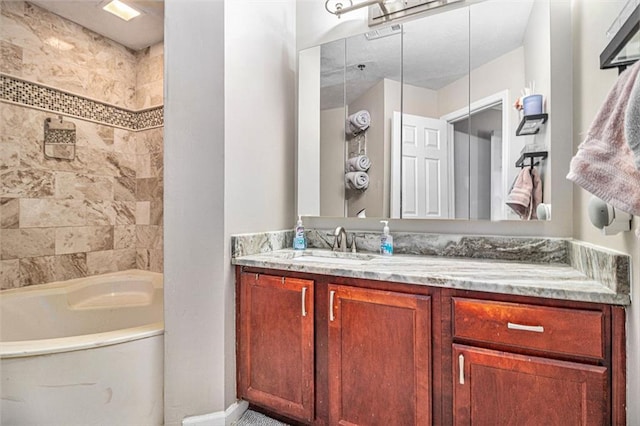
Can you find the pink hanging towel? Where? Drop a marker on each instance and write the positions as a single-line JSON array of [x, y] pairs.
[[604, 164]]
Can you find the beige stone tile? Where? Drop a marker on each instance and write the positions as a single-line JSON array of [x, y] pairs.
[[96, 136], [143, 259], [10, 58], [156, 212], [100, 213], [124, 189], [81, 186], [40, 270], [18, 243], [156, 261], [126, 163], [9, 156], [125, 212], [98, 162], [9, 213], [83, 239], [149, 236], [9, 274], [40, 213], [150, 260], [101, 262], [125, 259], [26, 182], [150, 140], [124, 141], [143, 212], [149, 189], [143, 166], [124, 237]]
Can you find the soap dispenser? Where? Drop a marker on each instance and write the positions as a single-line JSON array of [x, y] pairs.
[[299, 240], [386, 240]]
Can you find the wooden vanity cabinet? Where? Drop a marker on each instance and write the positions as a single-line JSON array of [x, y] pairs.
[[276, 344], [502, 388], [339, 351], [521, 363], [379, 359]]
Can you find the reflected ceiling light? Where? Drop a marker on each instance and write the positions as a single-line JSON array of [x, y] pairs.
[[121, 10]]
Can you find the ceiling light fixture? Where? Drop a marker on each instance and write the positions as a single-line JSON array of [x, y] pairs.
[[381, 11], [121, 10]]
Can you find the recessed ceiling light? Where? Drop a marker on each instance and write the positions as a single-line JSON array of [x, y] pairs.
[[121, 10]]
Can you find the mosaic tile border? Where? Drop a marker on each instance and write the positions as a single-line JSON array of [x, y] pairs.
[[35, 95]]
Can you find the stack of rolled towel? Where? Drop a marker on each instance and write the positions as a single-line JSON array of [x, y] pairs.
[[358, 122], [356, 176]]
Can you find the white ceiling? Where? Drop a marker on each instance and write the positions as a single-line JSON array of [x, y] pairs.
[[436, 50], [138, 33]]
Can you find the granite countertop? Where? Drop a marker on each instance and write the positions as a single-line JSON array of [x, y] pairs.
[[564, 280]]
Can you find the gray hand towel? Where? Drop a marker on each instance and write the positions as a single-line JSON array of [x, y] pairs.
[[632, 122], [604, 164]]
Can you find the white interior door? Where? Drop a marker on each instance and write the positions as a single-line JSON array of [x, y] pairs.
[[424, 180]]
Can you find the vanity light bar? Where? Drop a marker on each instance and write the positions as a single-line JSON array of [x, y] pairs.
[[383, 32]]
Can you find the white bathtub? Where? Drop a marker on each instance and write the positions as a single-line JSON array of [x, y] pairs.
[[83, 352]]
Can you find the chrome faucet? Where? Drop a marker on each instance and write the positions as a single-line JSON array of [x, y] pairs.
[[338, 235], [337, 239]]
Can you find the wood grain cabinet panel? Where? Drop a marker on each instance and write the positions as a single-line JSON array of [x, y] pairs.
[[379, 357], [276, 344], [497, 388], [576, 332]]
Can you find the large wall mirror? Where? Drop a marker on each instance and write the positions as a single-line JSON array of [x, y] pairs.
[[417, 120]]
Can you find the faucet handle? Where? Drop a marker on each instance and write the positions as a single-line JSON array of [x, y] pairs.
[[353, 243]]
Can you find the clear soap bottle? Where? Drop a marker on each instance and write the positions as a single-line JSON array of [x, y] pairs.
[[386, 240], [299, 240]]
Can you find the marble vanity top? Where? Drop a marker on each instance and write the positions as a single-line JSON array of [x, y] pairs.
[[558, 279]]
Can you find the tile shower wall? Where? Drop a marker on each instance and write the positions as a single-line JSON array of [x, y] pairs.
[[102, 211]]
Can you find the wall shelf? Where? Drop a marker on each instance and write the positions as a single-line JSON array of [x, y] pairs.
[[622, 50], [532, 157], [530, 124]]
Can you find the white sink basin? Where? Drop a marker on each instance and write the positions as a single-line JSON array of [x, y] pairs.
[[332, 258]]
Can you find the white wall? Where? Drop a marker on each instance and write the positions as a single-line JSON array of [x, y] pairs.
[[260, 69], [194, 209], [229, 168], [332, 154], [591, 19]]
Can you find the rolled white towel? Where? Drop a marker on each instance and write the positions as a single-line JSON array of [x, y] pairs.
[[356, 180], [358, 122], [361, 163]]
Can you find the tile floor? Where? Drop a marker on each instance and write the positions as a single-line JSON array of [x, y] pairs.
[[252, 418]]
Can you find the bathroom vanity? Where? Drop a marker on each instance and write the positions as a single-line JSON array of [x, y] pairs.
[[326, 338]]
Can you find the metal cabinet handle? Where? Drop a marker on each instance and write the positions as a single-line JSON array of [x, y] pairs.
[[282, 280], [461, 365], [304, 301], [332, 294], [534, 328]]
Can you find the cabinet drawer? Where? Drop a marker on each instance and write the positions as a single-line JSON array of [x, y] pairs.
[[557, 330]]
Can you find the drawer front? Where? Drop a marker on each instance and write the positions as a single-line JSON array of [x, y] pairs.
[[557, 330]]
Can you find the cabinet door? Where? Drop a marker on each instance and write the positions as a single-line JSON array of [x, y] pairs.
[[276, 344], [500, 388], [379, 357]]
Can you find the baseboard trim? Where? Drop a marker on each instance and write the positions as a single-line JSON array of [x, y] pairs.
[[220, 418]]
